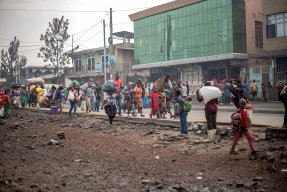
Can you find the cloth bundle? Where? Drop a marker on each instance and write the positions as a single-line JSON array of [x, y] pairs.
[[209, 92]]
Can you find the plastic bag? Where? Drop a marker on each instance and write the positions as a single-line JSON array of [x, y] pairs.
[[2, 112], [83, 106], [71, 96], [209, 92], [84, 87], [109, 86]]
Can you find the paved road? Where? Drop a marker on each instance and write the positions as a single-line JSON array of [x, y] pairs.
[[223, 115]]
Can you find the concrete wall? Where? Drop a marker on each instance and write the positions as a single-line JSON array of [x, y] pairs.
[[192, 74], [268, 8], [253, 13]]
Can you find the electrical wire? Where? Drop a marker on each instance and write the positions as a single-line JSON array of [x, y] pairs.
[[91, 28], [131, 9], [122, 23], [51, 10]]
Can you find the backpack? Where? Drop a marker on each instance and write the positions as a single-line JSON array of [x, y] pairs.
[[283, 92], [280, 84], [187, 106]]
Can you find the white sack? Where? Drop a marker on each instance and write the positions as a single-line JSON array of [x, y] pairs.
[[209, 92]]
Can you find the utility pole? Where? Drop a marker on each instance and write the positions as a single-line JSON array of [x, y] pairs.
[[111, 40], [105, 70], [72, 43], [16, 72], [58, 81]]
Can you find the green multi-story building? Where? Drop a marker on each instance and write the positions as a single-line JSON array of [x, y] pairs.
[[192, 40]]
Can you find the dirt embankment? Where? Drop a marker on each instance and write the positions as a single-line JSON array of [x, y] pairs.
[[129, 157]]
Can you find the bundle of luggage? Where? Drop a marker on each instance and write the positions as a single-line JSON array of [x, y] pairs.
[[109, 86]]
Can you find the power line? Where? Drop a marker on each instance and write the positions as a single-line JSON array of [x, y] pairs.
[[88, 31], [19, 40], [52, 10], [131, 9], [23, 46], [122, 23], [28, 50], [89, 27], [92, 37]]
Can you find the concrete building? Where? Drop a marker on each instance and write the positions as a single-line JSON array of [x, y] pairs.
[[275, 36], [37, 71], [197, 40], [89, 63], [192, 40], [258, 66]]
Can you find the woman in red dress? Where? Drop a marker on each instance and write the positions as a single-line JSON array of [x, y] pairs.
[[155, 110]]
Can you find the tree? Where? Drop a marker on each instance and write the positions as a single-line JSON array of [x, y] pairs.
[[55, 38], [12, 64]]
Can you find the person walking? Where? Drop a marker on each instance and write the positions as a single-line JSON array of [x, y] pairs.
[[155, 110], [269, 92], [183, 111], [110, 107], [187, 88], [98, 95], [226, 93], [73, 97], [254, 90], [282, 92], [168, 86], [237, 89], [210, 114], [5, 103], [118, 96], [240, 127], [138, 96], [58, 99], [263, 89], [89, 95], [184, 91]]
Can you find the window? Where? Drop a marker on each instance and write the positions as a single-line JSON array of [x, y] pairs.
[[258, 34], [256, 70], [78, 64], [276, 25], [91, 63]]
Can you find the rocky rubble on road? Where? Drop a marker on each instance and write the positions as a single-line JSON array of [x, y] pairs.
[[83, 154]]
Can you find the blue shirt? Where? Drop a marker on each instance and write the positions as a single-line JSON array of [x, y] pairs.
[[89, 92], [58, 95]]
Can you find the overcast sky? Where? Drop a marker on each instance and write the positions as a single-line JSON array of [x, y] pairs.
[[23, 19]]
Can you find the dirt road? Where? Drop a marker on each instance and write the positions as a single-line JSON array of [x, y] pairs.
[[129, 157]]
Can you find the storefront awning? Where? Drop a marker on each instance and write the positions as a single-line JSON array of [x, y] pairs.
[[240, 56]]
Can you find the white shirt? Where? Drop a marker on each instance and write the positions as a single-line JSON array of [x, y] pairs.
[[184, 91]]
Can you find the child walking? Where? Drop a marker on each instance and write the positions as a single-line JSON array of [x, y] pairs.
[[239, 123], [155, 110], [163, 104], [110, 107], [184, 108]]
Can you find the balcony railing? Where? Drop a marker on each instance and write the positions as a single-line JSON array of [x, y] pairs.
[[82, 71]]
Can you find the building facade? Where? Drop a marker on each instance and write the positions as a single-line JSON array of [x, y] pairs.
[[193, 40], [90, 63], [275, 37]]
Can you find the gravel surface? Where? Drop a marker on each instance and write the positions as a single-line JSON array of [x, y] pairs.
[[46, 152]]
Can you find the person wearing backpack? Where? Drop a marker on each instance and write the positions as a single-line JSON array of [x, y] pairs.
[[185, 107], [239, 122]]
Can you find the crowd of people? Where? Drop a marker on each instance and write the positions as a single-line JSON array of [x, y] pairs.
[[164, 96], [249, 92]]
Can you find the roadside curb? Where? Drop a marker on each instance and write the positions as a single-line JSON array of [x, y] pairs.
[[146, 121]]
